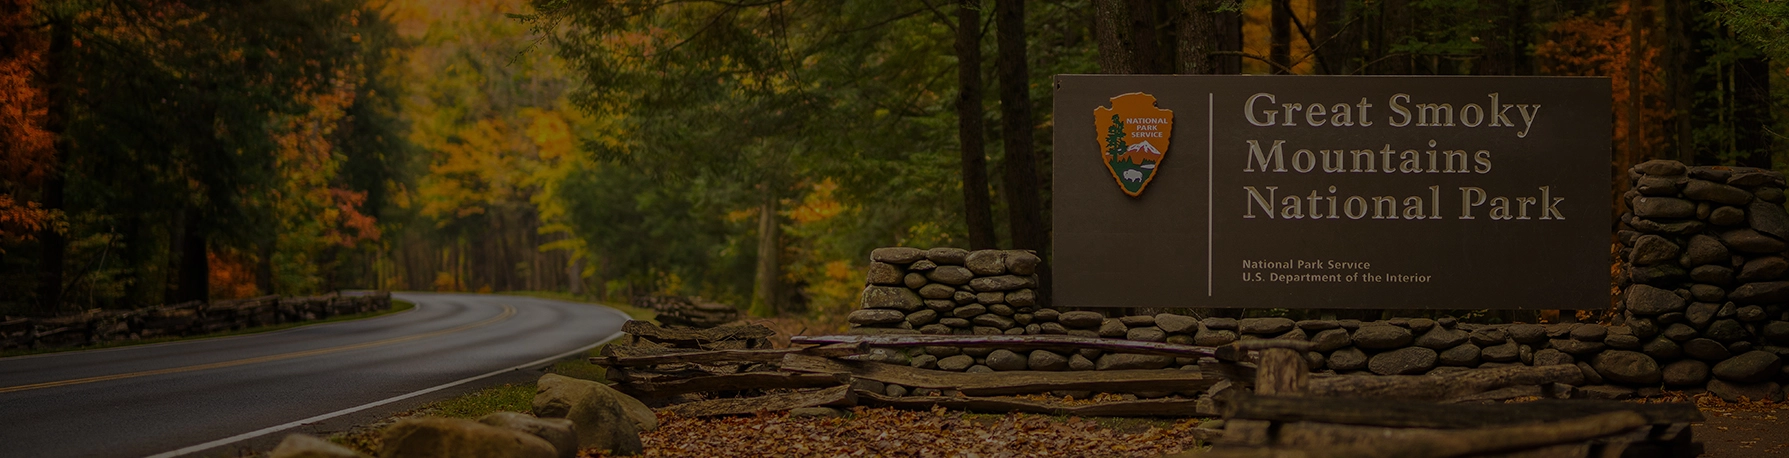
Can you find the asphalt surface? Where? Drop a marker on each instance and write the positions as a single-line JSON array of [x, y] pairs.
[[154, 399]]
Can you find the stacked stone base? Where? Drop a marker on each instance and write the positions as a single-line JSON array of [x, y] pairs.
[[942, 291]]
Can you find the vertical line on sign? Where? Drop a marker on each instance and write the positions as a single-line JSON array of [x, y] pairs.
[[1209, 174]]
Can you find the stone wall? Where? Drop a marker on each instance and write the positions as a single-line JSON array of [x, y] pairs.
[[191, 318], [1665, 340]]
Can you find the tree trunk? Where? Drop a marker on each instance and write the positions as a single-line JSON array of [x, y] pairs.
[[1679, 92], [1337, 43], [54, 243], [1751, 110], [978, 210], [764, 295], [1016, 129], [1146, 57], [195, 268], [1229, 33], [1279, 48], [1110, 18], [1198, 37]]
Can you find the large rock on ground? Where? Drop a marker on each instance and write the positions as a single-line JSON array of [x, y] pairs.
[[897, 255], [1706, 250], [986, 262], [1177, 323], [1347, 359], [1626, 367], [1045, 360], [306, 446], [1081, 319], [1652, 249], [1403, 361], [1768, 218], [435, 437], [605, 418], [1751, 367], [1006, 360], [559, 432], [1733, 392], [1761, 292]]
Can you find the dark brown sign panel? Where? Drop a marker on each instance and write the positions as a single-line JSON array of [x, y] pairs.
[[1331, 192]]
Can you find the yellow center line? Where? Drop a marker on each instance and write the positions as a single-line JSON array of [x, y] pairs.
[[508, 311]]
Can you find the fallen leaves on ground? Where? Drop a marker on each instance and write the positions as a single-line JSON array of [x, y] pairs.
[[893, 432]]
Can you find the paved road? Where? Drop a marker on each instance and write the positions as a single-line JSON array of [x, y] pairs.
[[154, 399]]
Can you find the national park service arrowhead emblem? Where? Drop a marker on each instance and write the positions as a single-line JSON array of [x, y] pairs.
[[1133, 137]]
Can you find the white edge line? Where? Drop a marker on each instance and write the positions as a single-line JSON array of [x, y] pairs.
[[1210, 99], [338, 413]]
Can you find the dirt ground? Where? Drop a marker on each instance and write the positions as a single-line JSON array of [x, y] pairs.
[[1745, 432]]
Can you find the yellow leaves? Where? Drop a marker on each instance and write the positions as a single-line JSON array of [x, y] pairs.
[[818, 205]]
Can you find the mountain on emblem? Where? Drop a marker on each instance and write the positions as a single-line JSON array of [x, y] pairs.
[[1129, 133]]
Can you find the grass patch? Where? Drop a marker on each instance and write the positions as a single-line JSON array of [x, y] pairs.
[[396, 306]]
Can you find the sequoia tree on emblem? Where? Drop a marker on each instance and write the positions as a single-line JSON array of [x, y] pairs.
[[1134, 137]]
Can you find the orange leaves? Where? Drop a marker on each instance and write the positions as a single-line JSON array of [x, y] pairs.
[[26, 149], [230, 276], [1599, 46], [890, 432]]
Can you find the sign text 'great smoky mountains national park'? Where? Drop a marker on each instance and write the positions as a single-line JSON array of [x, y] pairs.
[[1331, 192]]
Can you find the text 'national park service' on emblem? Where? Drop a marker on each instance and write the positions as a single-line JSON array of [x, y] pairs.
[[1133, 137]]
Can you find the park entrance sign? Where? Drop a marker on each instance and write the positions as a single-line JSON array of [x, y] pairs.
[[1331, 192]]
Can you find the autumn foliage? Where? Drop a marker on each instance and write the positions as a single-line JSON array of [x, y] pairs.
[[26, 155]]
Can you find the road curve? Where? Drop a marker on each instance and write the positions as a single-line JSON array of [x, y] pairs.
[[154, 399]]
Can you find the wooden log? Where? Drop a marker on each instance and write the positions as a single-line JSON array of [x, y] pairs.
[[669, 356], [1165, 407], [1334, 441], [1053, 342], [1282, 372], [1010, 382], [1441, 387], [1378, 412], [838, 396], [690, 336], [734, 382]]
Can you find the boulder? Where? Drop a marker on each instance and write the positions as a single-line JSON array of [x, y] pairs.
[[1176, 323], [1112, 327], [1727, 216], [1382, 337], [986, 262], [1706, 350], [1735, 392], [1661, 348], [1552, 357], [947, 256], [956, 362], [306, 446], [872, 317], [1762, 292], [1751, 241], [937, 291], [1081, 319], [1577, 348], [950, 275], [882, 273], [1502, 353], [1207, 337], [1022, 262], [1439, 338], [604, 418], [1713, 275], [891, 297], [1003, 283], [897, 255], [433, 437], [1663, 207], [1661, 168], [1146, 334], [1726, 331], [1768, 218], [1653, 249], [1022, 298], [1706, 250], [1347, 359], [1650, 300], [1219, 323], [1686, 372], [1006, 360], [559, 432], [1465, 355], [1752, 367], [1488, 336], [1045, 360], [1626, 367], [1264, 326], [1716, 192], [1403, 361], [1329, 340], [1764, 268]]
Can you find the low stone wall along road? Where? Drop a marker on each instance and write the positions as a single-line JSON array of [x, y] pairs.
[[217, 395]]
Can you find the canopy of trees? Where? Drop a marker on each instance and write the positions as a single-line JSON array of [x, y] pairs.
[[751, 152]]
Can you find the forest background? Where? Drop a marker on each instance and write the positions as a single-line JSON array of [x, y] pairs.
[[747, 151]]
